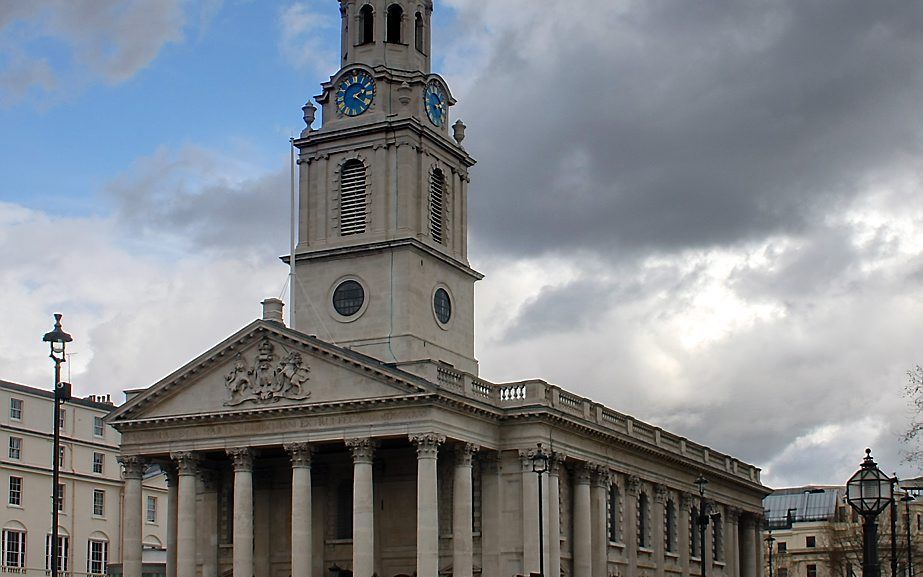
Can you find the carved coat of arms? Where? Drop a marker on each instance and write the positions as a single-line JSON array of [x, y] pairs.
[[267, 380]]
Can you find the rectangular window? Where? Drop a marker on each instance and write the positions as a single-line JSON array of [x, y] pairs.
[[615, 514], [810, 541], [782, 547], [97, 557], [99, 429], [60, 497], [99, 502], [16, 409], [60, 456], [151, 509], [15, 448], [812, 570], [63, 552], [62, 414], [98, 460], [16, 491], [14, 548]]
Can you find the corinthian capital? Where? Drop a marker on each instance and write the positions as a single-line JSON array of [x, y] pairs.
[[187, 462], [427, 444], [363, 449], [132, 466], [242, 458], [300, 453]]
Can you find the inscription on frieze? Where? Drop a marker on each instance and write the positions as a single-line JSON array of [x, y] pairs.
[[267, 380]]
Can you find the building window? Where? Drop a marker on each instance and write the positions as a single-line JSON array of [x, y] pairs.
[[643, 520], [97, 556], [717, 537], [60, 456], [99, 429], [695, 541], [615, 514], [395, 17], [366, 25], [812, 570], [810, 541], [98, 460], [16, 491], [16, 448], [99, 502], [670, 528], [437, 206], [63, 552], [353, 200], [61, 488], [16, 409], [781, 547], [151, 509], [344, 519], [62, 418], [14, 548], [418, 32]]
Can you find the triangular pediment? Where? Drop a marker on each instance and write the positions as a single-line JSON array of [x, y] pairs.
[[266, 366]]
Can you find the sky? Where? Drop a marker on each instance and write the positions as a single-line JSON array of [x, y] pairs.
[[708, 215]]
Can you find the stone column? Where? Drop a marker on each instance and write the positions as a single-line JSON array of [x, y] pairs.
[[187, 465], [491, 507], [731, 545], [632, 492], [462, 512], [427, 505], [209, 533], [683, 532], [553, 530], [301, 508], [132, 471], [363, 507], [658, 537], [599, 482], [747, 546], [172, 509], [582, 522], [757, 534], [242, 459], [529, 481]]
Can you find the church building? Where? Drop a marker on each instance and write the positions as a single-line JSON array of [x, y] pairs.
[[359, 441]]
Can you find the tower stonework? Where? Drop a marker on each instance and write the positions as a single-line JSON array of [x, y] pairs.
[[381, 262]]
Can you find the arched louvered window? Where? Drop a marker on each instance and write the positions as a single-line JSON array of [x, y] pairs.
[[353, 198], [437, 205], [395, 15], [669, 533], [418, 32], [366, 25]]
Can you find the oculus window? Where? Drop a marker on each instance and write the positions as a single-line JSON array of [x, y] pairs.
[[348, 298]]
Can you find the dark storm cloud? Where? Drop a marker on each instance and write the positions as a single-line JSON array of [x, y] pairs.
[[667, 125]]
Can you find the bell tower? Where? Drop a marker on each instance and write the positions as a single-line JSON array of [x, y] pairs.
[[381, 263]]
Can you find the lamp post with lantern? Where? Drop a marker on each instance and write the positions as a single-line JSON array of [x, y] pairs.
[[57, 340], [540, 466], [702, 520], [869, 492]]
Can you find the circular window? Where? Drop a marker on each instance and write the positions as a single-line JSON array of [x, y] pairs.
[[348, 298], [442, 305]]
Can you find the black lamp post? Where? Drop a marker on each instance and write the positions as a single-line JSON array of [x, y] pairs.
[[893, 527], [769, 541], [703, 519], [906, 499], [540, 466], [868, 491], [58, 340]]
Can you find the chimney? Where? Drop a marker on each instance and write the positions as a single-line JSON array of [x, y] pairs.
[[272, 311]]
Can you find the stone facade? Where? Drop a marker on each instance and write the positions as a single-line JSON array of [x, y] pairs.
[[360, 439]]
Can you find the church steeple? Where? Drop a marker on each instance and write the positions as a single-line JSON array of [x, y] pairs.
[[381, 263]]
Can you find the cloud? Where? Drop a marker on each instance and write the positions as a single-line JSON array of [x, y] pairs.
[[107, 39], [305, 37]]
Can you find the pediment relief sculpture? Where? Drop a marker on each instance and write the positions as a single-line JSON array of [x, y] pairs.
[[267, 379]]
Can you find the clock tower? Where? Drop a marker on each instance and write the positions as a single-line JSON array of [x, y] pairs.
[[381, 262]]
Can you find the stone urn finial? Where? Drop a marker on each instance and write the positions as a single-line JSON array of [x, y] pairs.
[[458, 131], [403, 93], [309, 112]]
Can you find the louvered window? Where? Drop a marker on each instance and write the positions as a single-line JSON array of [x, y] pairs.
[[353, 199], [437, 206]]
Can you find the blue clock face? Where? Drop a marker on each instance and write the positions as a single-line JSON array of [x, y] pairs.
[[355, 93], [434, 100]]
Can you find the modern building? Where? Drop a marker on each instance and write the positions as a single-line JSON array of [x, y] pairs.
[[360, 439], [813, 532], [90, 502]]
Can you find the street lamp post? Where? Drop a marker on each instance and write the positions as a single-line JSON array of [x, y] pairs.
[[868, 491], [57, 340], [703, 519], [906, 499], [893, 511], [540, 466], [769, 541]]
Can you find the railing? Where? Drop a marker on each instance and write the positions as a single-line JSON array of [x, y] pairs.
[[449, 378], [512, 392]]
